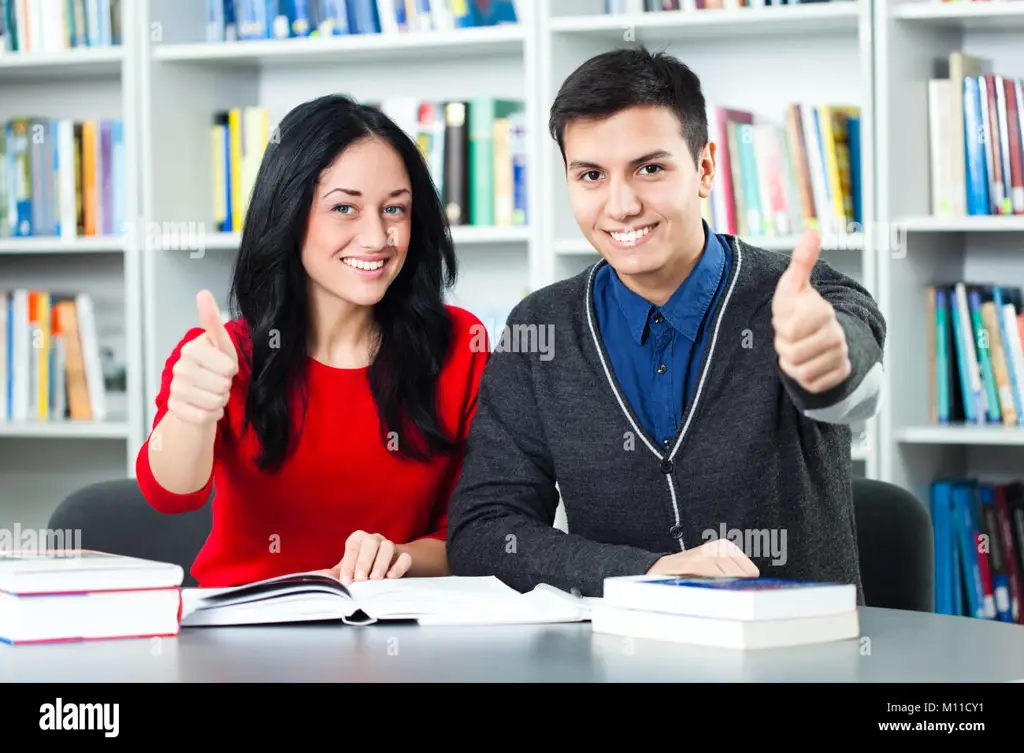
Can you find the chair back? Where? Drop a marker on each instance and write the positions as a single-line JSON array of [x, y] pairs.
[[113, 516], [896, 546]]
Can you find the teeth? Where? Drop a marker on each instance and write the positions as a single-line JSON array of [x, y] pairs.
[[368, 266], [632, 236]]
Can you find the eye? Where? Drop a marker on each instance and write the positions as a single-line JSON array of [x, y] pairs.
[[655, 167], [342, 206], [398, 210], [590, 172]]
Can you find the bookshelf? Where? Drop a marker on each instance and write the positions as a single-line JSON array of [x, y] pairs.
[[913, 42], [43, 461]]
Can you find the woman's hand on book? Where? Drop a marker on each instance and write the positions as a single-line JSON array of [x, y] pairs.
[[715, 559], [370, 556]]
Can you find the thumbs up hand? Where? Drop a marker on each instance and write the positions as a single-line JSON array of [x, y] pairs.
[[809, 339], [205, 369]]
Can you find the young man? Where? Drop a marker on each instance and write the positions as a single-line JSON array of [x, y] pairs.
[[695, 410]]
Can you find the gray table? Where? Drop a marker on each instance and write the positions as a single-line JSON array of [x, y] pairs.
[[895, 647]]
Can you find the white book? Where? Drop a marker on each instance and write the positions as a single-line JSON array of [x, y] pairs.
[[748, 599], [719, 633], [68, 593], [315, 596]]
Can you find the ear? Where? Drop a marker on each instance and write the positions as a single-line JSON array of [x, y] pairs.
[[706, 169]]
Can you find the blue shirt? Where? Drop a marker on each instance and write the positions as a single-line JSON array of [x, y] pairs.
[[656, 352]]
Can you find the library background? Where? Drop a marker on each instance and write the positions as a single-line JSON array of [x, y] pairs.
[[132, 131]]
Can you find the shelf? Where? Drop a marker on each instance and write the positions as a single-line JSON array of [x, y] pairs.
[[970, 224], [492, 40], [668, 26], [64, 429], [962, 435], [87, 245], [1001, 16], [461, 234], [78, 63], [851, 242]]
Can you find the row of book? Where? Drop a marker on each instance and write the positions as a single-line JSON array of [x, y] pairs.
[[475, 151], [976, 140], [772, 179], [51, 362], [661, 6], [979, 548], [233, 20], [976, 357], [57, 25], [62, 178]]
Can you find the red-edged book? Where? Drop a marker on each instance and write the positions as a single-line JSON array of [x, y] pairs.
[[73, 595]]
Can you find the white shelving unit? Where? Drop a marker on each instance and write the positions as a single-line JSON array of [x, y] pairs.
[[913, 40], [166, 83], [40, 463]]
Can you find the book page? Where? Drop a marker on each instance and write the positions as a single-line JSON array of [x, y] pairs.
[[457, 600]]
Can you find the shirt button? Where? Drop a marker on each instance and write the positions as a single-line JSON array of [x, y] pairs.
[[666, 443], [658, 318], [662, 368]]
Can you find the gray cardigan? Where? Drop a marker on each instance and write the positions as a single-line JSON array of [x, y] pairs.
[[756, 460]]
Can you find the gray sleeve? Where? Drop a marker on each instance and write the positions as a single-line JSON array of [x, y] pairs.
[[501, 516], [858, 397]]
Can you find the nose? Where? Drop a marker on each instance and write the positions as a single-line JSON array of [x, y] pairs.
[[622, 200], [372, 235]]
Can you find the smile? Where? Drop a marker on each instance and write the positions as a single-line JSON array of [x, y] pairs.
[[632, 237], [366, 266]]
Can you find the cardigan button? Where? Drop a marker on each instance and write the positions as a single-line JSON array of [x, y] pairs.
[[676, 532], [666, 466]]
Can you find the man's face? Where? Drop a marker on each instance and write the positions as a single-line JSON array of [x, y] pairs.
[[635, 190]]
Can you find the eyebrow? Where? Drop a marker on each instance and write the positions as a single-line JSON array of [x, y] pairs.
[[353, 192], [659, 154]]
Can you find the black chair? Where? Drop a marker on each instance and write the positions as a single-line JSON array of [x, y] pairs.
[[114, 517], [896, 545]]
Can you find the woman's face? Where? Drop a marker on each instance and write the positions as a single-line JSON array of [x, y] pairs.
[[359, 224]]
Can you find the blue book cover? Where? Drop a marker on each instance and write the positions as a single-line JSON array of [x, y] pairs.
[[740, 584], [940, 504], [853, 139], [974, 149], [362, 17]]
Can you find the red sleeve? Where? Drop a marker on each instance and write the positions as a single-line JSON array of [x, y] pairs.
[[469, 359], [158, 497]]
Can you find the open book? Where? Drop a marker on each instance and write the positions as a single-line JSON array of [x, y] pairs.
[[303, 597]]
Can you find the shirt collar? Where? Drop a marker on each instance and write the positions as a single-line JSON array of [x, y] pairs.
[[686, 308]]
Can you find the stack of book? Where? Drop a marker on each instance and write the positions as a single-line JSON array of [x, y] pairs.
[[67, 595], [739, 613]]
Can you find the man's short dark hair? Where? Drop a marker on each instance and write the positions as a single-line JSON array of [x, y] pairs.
[[635, 77]]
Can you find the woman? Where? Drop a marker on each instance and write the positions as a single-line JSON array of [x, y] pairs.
[[330, 414]]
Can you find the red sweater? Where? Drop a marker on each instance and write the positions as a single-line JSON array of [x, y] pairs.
[[341, 477]]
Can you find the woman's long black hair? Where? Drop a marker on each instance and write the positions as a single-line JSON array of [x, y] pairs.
[[269, 291]]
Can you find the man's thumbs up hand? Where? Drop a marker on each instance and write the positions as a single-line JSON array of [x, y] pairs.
[[808, 337]]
